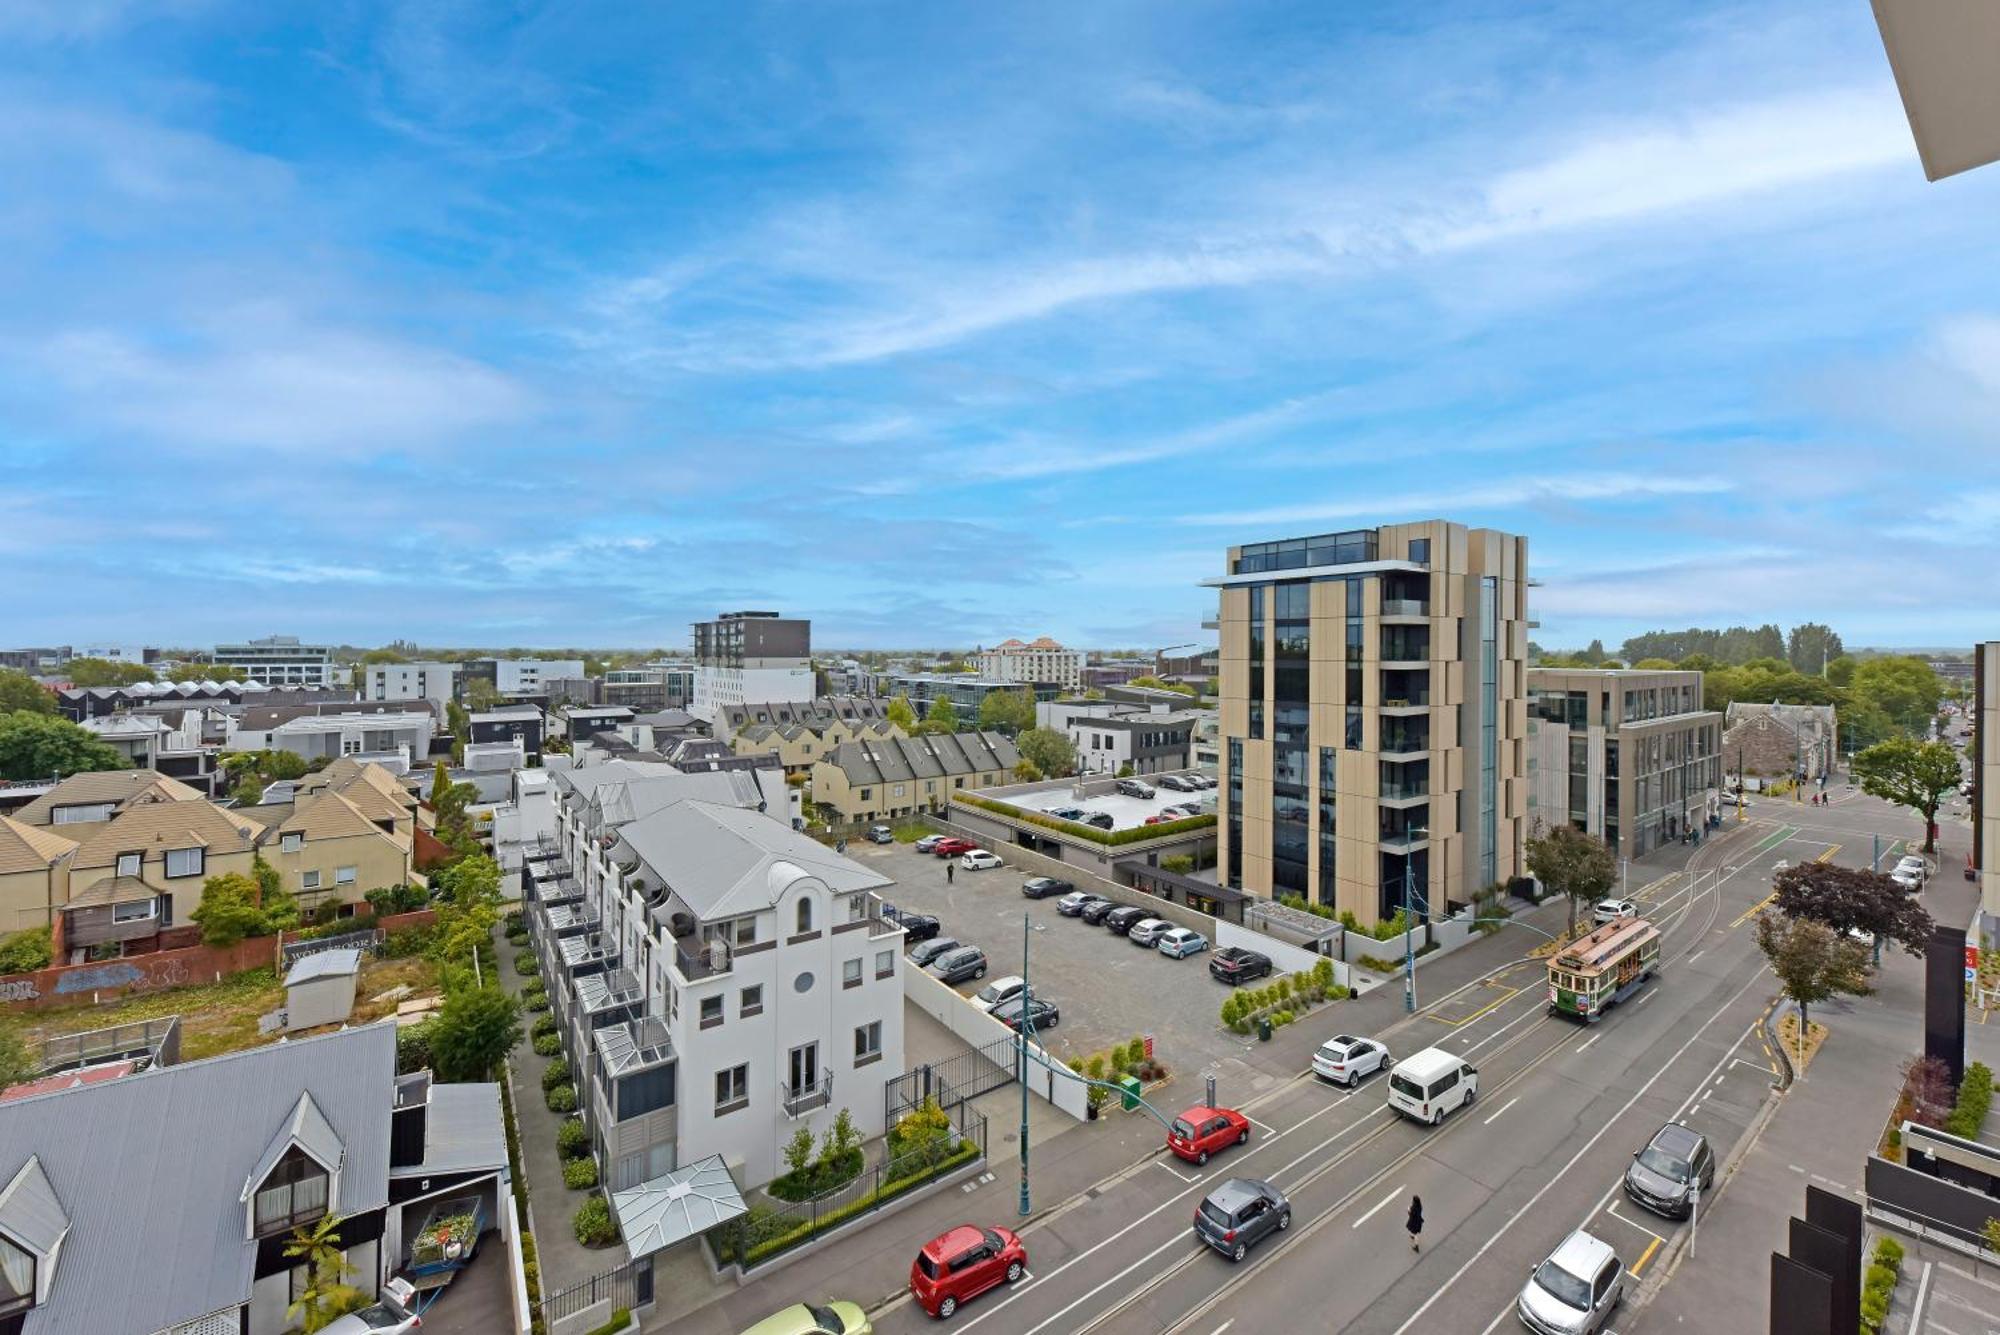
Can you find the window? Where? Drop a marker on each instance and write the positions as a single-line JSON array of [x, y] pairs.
[[753, 1000], [885, 964], [343, 876], [805, 915], [137, 911], [17, 1279], [867, 794], [294, 1194], [732, 1089], [899, 790], [850, 973], [711, 1012], [308, 880], [184, 861], [83, 815], [857, 907], [868, 1042], [746, 931], [290, 843], [1420, 549], [129, 863]]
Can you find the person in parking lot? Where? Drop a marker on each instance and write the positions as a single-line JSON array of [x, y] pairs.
[[950, 869], [1415, 1224]]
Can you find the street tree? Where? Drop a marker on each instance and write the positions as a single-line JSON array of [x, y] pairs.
[[1854, 898], [941, 717], [1025, 771], [474, 1029], [901, 715], [42, 746], [1011, 712], [1812, 647], [1051, 752], [104, 672], [1573, 864], [1812, 961], [1912, 774], [19, 691]]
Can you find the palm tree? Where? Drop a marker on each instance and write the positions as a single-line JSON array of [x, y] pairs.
[[326, 1294]]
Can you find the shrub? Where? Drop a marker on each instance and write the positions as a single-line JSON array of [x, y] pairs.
[[593, 1224], [408, 942], [579, 1174], [525, 966], [514, 919], [556, 1074], [1181, 863], [620, 1320], [561, 1099], [547, 1045], [544, 1024], [573, 1139], [1975, 1097], [535, 1001], [773, 1243], [399, 898], [1889, 1250], [413, 1047], [26, 950]]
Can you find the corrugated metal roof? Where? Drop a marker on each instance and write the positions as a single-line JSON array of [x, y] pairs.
[[30, 1212], [150, 1171], [462, 1131], [306, 1128], [324, 964], [724, 861]]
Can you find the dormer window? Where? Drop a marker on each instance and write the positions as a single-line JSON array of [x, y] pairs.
[[293, 1193], [291, 842], [129, 863], [17, 1278]]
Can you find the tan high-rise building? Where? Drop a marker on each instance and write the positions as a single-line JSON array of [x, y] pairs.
[[1986, 778], [1374, 716]]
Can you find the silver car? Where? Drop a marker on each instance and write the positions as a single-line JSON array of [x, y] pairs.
[[1573, 1292], [1146, 932]]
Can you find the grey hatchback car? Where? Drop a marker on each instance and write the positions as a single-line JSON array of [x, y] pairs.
[[1239, 1213], [1675, 1165]]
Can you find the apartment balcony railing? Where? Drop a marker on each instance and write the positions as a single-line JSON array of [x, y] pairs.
[[1405, 745], [1407, 700], [1402, 792], [696, 959], [1404, 841], [800, 1100], [1405, 607]]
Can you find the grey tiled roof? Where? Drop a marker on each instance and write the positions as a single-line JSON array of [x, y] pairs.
[[932, 756], [723, 861]]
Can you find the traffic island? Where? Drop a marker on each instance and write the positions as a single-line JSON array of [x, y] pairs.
[[1800, 1051]]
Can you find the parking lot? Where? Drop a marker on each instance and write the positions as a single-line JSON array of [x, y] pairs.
[[1109, 990], [1125, 812]]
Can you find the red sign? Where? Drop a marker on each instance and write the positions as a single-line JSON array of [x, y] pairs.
[[1149, 1037], [1971, 966]]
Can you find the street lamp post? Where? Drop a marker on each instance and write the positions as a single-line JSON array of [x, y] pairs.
[[1021, 1047]]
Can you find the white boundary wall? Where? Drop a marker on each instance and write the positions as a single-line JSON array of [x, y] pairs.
[[1285, 957], [979, 1029]]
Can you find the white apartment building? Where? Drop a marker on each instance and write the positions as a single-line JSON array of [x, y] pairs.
[[409, 681], [398, 742], [1041, 660], [750, 658], [719, 980], [525, 676], [280, 660]]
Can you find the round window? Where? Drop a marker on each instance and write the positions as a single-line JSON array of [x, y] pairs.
[[803, 983]]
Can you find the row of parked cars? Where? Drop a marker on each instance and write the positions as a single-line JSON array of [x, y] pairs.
[[1131, 921]]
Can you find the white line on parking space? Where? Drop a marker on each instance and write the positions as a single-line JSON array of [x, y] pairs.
[[1650, 994], [1923, 1288], [1502, 1108], [1527, 1014], [1224, 1326], [1377, 1208], [1272, 1132], [1588, 1041], [1162, 1163], [1612, 1210], [1180, 1241]]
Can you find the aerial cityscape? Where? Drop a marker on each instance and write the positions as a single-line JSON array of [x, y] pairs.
[[1148, 670]]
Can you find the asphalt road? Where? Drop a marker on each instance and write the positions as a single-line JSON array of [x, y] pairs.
[[1561, 1108]]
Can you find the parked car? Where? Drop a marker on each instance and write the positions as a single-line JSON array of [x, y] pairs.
[[1240, 1212], [1041, 1012], [979, 860], [1427, 1085], [1072, 904], [1201, 1131], [923, 954], [1675, 1165], [1345, 1059], [1180, 942], [1611, 910], [1135, 788], [1093, 912], [1041, 887], [959, 966], [1180, 811], [1146, 931], [390, 1318], [1068, 813], [1124, 918], [952, 846], [1176, 783], [1234, 964], [963, 1263], [881, 834], [998, 991], [1910, 862], [1101, 819], [929, 843], [1573, 1292], [1908, 879], [1202, 780], [916, 926], [828, 1318]]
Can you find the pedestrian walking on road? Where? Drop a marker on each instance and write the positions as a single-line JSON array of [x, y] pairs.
[[949, 869], [1415, 1224]]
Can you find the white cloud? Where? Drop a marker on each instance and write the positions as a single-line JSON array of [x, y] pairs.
[[1499, 495], [1031, 458]]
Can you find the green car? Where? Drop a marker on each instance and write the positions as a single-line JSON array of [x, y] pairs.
[[833, 1318]]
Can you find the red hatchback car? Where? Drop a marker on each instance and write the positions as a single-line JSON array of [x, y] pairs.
[[951, 848], [1200, 1132], [966, 1261]]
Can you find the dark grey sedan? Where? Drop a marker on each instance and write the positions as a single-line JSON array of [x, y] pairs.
[[1240, 1213], [925, 952]]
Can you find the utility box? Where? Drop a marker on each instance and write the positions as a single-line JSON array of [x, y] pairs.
[[1130, 1099]]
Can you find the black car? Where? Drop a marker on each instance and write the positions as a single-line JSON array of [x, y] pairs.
[[1094, 911], [1234, 964], [1041, 887], [1068, 813], [959, 966], [1041, 1014], [1240, 1212], [931, 949], [1176, 783], [1101, 819], [1675, 1167], [916, 926], [1120, 920]]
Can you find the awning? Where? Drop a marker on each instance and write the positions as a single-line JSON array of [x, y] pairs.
[[659, 1213]]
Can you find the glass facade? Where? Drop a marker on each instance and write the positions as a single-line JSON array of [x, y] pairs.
[[1257, 660], [1234, 781], [1329, 549], [1291, 811], [1329, 867]]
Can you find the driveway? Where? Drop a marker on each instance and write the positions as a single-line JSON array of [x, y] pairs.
[[1109, 990]]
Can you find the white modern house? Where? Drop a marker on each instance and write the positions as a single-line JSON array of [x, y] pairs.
[[409, 681], [398, 742]]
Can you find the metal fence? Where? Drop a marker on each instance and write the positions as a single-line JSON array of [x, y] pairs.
[[970, 1073], [158, 1040], [629, 1286], [369, 940]]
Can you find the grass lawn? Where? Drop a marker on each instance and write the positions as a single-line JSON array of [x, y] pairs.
[[222, 1017]]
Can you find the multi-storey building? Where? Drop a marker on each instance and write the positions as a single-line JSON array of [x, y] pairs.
[[1626, 754], [965, 691], [512, 723], [1110, 735], [409, 681], [650, 688], [1039, 660], [744, 657], [279, 660], [1374, 716], [892, 778], [719, 979]]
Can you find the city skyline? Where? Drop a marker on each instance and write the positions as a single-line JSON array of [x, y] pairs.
[[576, 330]]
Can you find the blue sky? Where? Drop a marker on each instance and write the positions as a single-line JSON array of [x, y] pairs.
[[940, 323]]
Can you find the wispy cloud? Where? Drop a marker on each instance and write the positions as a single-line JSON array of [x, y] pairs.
[[1507, 494]]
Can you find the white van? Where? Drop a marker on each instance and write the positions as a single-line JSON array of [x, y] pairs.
[[1426, 1086]]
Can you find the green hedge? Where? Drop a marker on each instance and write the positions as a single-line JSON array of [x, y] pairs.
[[593, 1224], [1975, 1096], [547, 1045], [544, 1024], [620, 1320], [572, 1139], [1109, 838], [561, 1099], [579, 1174], [1878, 1283], [557, 1073], [964, 1154], [526, 965]]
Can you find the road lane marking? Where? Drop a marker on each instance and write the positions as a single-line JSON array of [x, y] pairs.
[[1697, 955], [1640, 1264], [1650, 994], [1353, 1126], [1923, 1288], [1162, 1163], [1503, 1108], [1507, 1229], [1828, 855], [1588, 1041], [1224, 1326], [1612, 1210], [1044, 1324], [1377, 1208]]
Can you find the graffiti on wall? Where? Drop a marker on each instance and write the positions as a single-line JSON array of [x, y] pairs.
[[138, 975]]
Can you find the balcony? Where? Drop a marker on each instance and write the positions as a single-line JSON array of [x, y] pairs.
[[1405, 609], [1402, 794], [611, 994], [798, 1101], [592, 952], [1401, 744], [1407, 702], [696, 959], [1404, 841]]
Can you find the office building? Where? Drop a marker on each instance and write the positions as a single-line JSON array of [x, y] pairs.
[[1112, 736], [1374, 716], [965, 691], [1626, 754], [279, 660], [750, 657], [1040, 660]]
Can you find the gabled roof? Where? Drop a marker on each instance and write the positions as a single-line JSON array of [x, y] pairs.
[[123, 787], [931, 756], [30, 847], [327, 816], [308, 1129], [723, 861], [163, 825], [30, 1213]]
